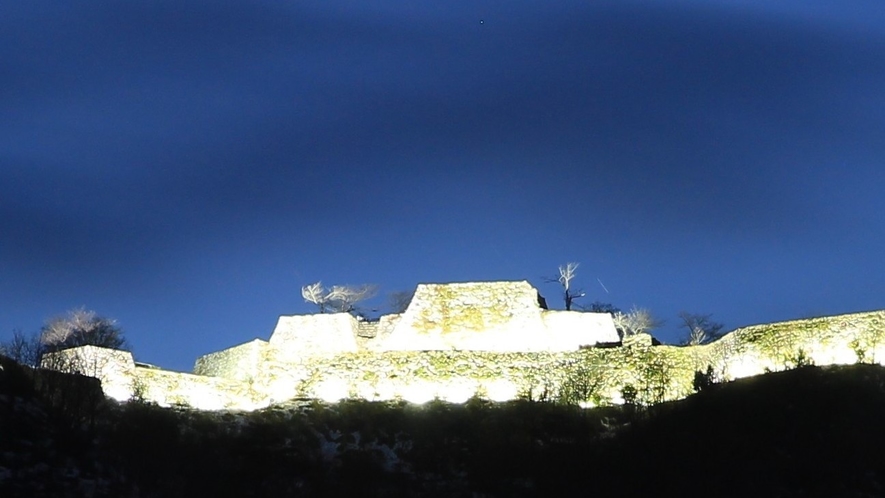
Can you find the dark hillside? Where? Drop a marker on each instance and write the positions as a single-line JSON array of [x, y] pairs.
[[805, 432]]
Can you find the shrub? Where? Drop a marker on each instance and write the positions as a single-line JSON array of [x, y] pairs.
[[703, 380]]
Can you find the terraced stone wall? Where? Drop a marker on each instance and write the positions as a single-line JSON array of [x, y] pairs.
[[116, 369], [593, 375], [304, 336], [492, 316], [205, 393], [237, 363], [471, 316]]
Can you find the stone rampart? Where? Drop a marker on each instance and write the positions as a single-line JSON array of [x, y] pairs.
[[492, 316], [834, 340], [304, 336], [383, 328], [591, 375], [115, 368], [361, 364], [241, 362], [471, 316], [205, 393]]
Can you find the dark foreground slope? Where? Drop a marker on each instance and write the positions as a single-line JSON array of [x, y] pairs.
[[806, 432]]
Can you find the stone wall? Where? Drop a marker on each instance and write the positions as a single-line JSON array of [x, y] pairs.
[[237, 363], [384, 327], [592, 375], [472, 316], [115, 368], [304, 336], [835, 340], [122, 379], [205, 393], [492, 316]]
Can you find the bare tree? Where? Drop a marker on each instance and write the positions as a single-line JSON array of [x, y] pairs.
[[316, 294], [23, 349], [81, 327], [566, 275], [344, 297], [600, 307], [636, 321], [701, 328], [339, 298]]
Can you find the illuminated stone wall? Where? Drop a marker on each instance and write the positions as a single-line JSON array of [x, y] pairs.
[[303, 336], [472, 316], [122, 379], [237, 363], [492, 316], [485, 316], [206, 393], [593, 375], [116, 369], [836, 340]]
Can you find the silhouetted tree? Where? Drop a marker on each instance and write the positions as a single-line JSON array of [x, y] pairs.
[[600, 307], [23, 349], [701, 328], [566, 275], [81, 327]]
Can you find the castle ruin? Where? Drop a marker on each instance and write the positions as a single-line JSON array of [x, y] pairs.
[[492, 339], [472, 316]]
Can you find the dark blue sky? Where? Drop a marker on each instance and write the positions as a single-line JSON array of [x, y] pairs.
[[185, 167]]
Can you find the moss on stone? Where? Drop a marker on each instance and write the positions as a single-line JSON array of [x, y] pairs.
[[656, 372]]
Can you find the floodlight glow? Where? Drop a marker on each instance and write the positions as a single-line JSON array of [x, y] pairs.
[[501, 390], [280, 390], [384, 390], [418, 393], [197, 397], [747, 365], [332, 390], [457, 392], [117, 391], [837, 355]]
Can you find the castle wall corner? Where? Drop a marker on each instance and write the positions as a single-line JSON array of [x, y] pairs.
[[317, 335], [114, 368], [241, 362], [477, 316]]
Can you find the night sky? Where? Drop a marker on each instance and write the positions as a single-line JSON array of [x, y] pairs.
[[185, 167]]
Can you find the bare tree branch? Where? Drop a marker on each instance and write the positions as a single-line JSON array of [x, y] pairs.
[[567, 273], [599, 307], [25, 350], [701, 328], [344, 297], [81, 327], [636, 321], [340, 298], [316, 294]]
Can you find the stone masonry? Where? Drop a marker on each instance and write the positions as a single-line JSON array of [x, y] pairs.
[[492, 339]]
